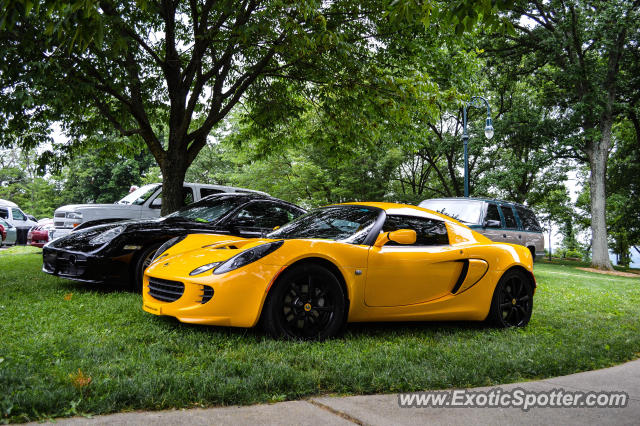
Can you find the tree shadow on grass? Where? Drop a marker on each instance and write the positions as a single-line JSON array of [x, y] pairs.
[[352, 330], [411, 327], [80, 287]]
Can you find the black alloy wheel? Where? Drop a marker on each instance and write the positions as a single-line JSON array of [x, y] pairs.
[[306, 303], [142, 263], [512, 302]]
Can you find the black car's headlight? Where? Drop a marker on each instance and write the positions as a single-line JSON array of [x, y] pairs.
[[106, 236], [167, 245], [248, 256], [204, 268]]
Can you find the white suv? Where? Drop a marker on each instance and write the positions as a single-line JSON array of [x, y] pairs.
[[143, 203], [12, 214]]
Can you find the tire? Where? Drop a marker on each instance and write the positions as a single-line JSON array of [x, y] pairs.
[[533, 253], [512, 302], [306, 303], [142, 262]]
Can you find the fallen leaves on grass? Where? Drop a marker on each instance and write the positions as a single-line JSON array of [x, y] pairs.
[[79, 380]]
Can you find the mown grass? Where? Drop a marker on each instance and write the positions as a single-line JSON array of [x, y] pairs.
[[68, 348]]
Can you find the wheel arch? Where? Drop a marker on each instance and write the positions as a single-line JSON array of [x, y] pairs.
[[527, 273], [320, 261]]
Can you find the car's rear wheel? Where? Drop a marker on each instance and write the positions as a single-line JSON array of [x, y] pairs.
[[512, 302], [143, 261], [306, 303]]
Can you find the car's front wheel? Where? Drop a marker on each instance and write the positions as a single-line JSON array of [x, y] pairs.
[[142, 263], [512, 302], [306, 303]]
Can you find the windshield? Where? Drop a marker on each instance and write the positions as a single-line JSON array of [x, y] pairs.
[[209, 209], [140, 195], [466, 211], [348, 224]]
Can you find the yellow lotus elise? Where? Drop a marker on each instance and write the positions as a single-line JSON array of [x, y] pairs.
[[343, 263]]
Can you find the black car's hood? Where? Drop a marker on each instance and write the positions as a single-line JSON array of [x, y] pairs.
[[135, 231]]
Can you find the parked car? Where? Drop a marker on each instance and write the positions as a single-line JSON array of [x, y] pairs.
[[117, 253], [145, 202], [12, 214], [343, 263], [9, 233], [38, 236], [499, 220]]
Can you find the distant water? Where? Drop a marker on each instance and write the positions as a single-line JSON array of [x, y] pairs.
[[635, 258]]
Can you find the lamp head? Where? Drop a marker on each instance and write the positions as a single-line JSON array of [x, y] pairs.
[[488, 129]]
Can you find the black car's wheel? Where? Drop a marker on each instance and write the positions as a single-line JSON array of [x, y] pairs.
[[143, 261], [306, 303], [512, 302]]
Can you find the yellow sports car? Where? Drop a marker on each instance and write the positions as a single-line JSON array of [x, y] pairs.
[[343, 263]]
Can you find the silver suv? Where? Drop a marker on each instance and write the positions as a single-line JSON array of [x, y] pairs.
[[500, 221]]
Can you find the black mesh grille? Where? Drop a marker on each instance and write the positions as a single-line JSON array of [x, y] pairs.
[[207, 294], [165, 290]]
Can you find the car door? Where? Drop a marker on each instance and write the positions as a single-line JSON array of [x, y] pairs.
[[496, 234], [400, 275], [511, 231], [259, 217], [154, 204]]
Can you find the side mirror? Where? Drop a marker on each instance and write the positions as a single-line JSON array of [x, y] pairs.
[[492, 224], [245, 221], [401, 236], [157, 203]]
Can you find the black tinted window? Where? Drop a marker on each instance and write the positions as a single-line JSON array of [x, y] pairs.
[[264, 214], [206, 211], [429, 232], [528, 219], [509, 217], [205, 192], [4, 213], [492, 213]]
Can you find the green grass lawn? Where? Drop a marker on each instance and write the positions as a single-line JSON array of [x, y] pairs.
[[56, 334]]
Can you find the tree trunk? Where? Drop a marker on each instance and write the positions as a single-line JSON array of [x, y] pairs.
[[598, 153], [174, 170]]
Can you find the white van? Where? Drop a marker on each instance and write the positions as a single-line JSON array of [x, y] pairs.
[[12, 214], [143, 203]]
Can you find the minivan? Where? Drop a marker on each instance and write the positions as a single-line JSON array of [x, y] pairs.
[[498, 220]]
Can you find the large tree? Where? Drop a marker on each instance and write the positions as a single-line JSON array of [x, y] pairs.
[[168, 72], [577, 50]]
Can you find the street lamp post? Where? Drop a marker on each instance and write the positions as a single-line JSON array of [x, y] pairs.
[[476, 101]]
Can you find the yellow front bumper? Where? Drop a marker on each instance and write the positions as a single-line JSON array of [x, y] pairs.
[[237, 299]]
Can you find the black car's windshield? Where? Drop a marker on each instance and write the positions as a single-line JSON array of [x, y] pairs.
[[466, 211], [208, 210], [346, 223]]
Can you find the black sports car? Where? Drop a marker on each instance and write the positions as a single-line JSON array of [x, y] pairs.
[[118, 252]]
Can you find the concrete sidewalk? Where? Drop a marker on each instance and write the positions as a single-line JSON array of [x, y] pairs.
[[384, 409]]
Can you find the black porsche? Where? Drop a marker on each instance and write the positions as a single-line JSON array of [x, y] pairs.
[[117, 253]]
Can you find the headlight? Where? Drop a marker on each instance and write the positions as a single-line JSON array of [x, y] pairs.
[[167, 244], [73, 215], [106, 236], [204, 268], [248, 256]]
